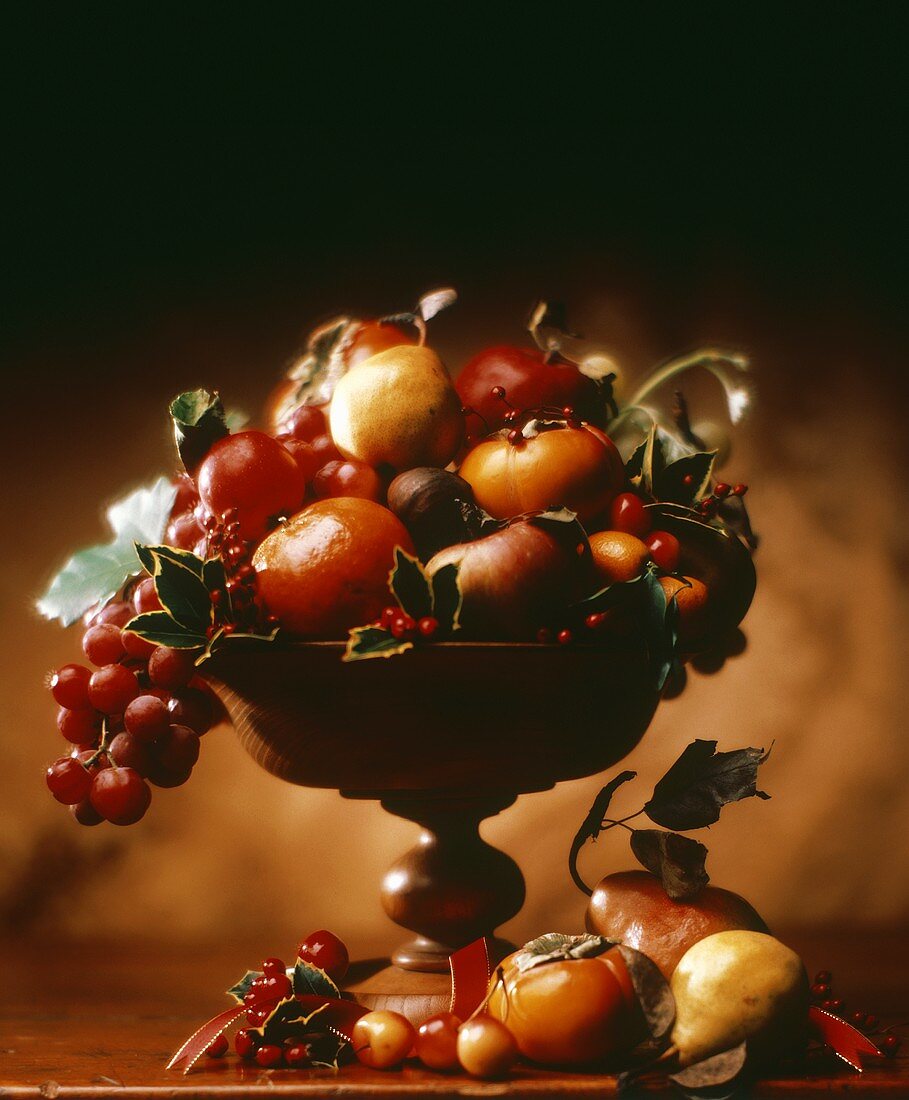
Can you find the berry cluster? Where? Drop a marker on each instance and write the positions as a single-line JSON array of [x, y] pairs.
[[305, 435], [866, 1022], [133, 721], [405, 627]]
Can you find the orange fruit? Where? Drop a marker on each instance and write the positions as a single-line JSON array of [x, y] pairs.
[[618, 556], [326, 570], [691, 600]]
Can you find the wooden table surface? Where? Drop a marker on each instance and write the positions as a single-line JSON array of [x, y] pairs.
[[102, 1021]]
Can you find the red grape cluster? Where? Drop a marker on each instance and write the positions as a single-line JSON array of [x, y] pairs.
[[306, 435], [135, 720]]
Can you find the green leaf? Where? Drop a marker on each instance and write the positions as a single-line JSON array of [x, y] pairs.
[[199, 421], [309, 978], [447, 598], [288, 1017], [410, 585], [658, 621], [159, 628], [677, 861], [93, 576], [670, 485], [214, 575], [364, 642], [239, 989], [183, 594]]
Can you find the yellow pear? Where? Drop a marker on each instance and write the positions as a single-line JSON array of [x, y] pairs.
[[735, 986], [399, 409]]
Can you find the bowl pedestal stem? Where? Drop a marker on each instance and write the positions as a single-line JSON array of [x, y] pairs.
[[451, 887]]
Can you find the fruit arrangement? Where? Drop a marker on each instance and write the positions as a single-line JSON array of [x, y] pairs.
[[383, 504]]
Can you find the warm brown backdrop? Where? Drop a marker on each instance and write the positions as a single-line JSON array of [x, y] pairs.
[[190, 195]]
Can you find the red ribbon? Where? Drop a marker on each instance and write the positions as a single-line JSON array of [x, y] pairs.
[[470, 974], [846, 1041]]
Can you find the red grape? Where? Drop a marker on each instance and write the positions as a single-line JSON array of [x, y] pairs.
[[164, 777], [665, 550], [68, 781], [147, 717], [79, 726], [103, 644], [120, 795], [325, 449], [183, 531], [69, 686], [116, 613], [627, 513], [145, 596], [305, 423], [136, 646], [178, 749], [171, 668], [112, 688], [85, 813], [127, 751], [348, 479], [304, 456], [192, 708]]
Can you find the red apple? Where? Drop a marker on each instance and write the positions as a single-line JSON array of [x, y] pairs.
[[529, 382], [631, 907]]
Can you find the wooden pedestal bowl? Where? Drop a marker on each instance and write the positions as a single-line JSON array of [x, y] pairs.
[[444, 736]]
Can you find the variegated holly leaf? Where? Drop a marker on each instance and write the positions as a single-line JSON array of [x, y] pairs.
[[239, 989], [308, 978], [365, 642], [410, 585]]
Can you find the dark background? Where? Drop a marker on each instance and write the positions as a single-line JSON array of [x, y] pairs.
[[188, 189]]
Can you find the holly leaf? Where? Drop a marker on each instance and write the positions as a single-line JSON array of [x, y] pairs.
[[199, 421], [447, 598], [159, 628], [180, 587], [670, 485], [93, 576], [697, 786], [309, 978], [410, 585], [239, 989], [148, 554], [677, 861], [364, 642]]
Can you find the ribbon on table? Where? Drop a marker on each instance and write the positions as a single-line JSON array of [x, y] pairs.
[[470, 974], [846, 1041]]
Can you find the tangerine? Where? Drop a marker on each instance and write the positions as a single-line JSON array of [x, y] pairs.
[[326, 569], [618, 556]]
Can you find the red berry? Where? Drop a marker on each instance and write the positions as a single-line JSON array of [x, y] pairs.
[[627, 513], [218, 1047], [103, 644], [688, 479], [300, 1054], [664, 549], [145, 597], [273, 968], [836, 1005], [112, 688], [823, 977], [246, 1043], [120, 795], [69, 686], [171, 669], [147, 717], [721, 489], [544, 635], [859, 1018], [325, 950], [399, 627], [871, 1021], [252, 474], [498, 392], [127, 751], [595, 621], [389, 614], [890, 1044], [192, 708], [819, 989], [269, 1056], [81, 727], [306, 422], [68, 781], [428, 626], [85, 813], [739, 490], [564, 637]]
